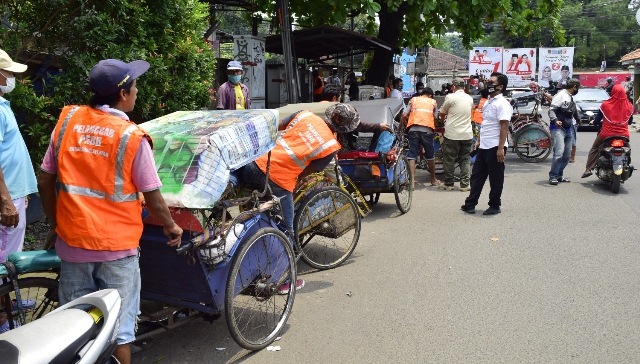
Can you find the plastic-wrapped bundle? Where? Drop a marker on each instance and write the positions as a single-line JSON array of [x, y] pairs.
[[195, 151]]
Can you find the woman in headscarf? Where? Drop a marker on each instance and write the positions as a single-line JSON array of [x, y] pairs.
[[615, 114]]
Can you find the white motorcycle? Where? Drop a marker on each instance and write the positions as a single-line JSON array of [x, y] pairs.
[[82, 331]]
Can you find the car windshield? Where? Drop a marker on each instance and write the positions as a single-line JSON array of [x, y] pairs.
[[591, 95]]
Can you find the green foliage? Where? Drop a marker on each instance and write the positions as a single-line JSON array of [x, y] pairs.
[[70, 36]]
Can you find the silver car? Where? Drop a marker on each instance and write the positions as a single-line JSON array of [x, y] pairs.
[[522, 99], [588, 101]]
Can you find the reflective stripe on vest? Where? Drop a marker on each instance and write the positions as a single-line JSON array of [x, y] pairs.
[[63, 128], [306, 138], [303, 163], [421, 112], [118, 195]]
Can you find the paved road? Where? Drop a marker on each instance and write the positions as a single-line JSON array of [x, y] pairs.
[[553, 279]]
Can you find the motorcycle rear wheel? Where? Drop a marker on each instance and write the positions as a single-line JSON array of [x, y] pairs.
[[615, 183]]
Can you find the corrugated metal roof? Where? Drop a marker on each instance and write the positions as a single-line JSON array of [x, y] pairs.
[[444, 61]]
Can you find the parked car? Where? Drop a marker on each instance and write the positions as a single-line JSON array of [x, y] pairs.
[[588, 101], [525, 100]]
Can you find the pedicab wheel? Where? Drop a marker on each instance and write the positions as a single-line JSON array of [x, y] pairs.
[[327, 226], [254, 311], [402, 184], [532, 143], [615, 183], [39, 296]]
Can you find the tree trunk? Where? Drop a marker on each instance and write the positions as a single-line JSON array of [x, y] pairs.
[[389, 32]]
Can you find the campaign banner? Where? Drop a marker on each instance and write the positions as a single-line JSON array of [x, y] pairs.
[[555, 64], [483, 61], [600, 79], [519, 65]]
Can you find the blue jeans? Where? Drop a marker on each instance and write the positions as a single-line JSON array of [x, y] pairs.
[[79, 279], [252, 176], [562, 142]]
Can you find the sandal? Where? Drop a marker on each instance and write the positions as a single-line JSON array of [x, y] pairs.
[[586, 174], [438, 183]]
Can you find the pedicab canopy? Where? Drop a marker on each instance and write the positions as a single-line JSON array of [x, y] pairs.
[[317, 108], [195, 151]]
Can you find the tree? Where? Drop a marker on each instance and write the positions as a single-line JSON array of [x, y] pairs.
[[417, 22], [68, 37]]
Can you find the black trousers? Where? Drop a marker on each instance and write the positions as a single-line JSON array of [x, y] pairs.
[[486, 165]]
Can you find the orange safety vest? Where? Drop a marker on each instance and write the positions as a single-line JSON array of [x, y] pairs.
[[318, 91], [306, 138], [98, 206], [476, 115], [421, 112]]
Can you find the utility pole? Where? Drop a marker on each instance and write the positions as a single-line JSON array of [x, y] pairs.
[[290, 68]]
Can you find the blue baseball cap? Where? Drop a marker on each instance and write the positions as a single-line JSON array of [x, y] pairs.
[[111, 75], [234, 65]]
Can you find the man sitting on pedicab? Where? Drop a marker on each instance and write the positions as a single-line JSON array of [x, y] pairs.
[[306, 146], [349, 140]]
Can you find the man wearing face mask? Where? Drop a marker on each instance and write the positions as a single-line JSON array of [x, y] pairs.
[[17, 179], [233, 95], [396, 92], [562, 114], [496, 114]]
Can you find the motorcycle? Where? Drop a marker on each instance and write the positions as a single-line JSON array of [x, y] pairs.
[[82, 331], [614, 161]]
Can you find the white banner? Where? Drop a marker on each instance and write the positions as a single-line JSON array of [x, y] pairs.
[[484, 61], [555, 64], [519, 65]]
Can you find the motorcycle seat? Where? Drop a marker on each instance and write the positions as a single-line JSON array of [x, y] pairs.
[[66, 332]]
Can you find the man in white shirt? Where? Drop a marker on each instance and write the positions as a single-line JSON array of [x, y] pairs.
[[396, 92], [458, 135], [563, 114], [496, 114]]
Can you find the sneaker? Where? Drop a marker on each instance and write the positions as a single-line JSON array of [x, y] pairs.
[[445, 187], [468, 209], [465, 189], [284, 288], [492, 211], [553, 181], [563, 180]]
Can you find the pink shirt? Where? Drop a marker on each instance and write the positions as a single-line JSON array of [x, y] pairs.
[[145, 178]]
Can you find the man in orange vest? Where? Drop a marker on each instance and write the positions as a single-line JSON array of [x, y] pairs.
[[420, 121], [476, 116], [318, 85], [97, 164], [306, 145]]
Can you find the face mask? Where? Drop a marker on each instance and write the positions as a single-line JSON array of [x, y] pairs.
[[235, 79], [399, 88], [575, 92], [491, 87], [11, 84]]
